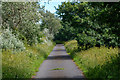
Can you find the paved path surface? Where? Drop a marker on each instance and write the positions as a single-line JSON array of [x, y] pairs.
[[59, 65]]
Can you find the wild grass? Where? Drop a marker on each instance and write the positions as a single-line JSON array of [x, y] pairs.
[[71, 46], [58, 69], [24, 64], [96, 63]]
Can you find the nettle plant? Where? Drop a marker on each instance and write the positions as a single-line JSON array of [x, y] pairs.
[[10, 41]]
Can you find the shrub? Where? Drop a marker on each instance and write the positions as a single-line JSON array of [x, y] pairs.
[[47, 34], [71, 47], [87, 41], [110, 40], [10, 41]]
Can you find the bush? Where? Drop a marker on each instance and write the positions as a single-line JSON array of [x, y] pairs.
[[87, 41], [10, 41], [47, 34], [71, 47], [110, 40]]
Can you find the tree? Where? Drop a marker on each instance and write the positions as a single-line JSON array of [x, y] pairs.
[[50, 22], [91, 21], [21, 18]]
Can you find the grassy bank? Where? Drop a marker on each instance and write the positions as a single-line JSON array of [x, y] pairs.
[[96, 62], [24, 64]]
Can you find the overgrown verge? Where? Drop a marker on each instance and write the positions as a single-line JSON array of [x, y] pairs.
[[24, 64], [96, 62]]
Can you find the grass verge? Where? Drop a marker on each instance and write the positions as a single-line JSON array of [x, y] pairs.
[[96, 63], [24, 64]]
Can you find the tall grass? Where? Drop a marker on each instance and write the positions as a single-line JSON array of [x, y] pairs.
[[96, 62], [24, 64]]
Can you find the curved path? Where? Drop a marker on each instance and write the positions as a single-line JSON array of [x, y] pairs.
[[59, 66]]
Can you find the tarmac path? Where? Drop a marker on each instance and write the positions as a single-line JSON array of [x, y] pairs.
[[59, 66]]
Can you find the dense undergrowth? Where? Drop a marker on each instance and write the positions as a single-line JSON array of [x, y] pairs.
[[96, 62], [24, 64]]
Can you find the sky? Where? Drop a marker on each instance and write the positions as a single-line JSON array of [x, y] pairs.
[[50, 7]]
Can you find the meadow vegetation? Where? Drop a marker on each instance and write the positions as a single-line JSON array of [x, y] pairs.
[[26, 63], [96, 63]]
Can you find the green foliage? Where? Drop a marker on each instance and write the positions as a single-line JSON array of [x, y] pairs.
[[24, 21], [50, 22], [46, 32], [65, 33], [59, 42], [71, 46], [107, 13], [58, 69], [86, 41], [96, 62], [21, 18], [25, 63], [10, 41], [89, 23], [21, 34], [16, 15]]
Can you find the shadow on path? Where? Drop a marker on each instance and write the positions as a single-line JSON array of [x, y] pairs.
[[61, 57], [59, 66], [58, 79]]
